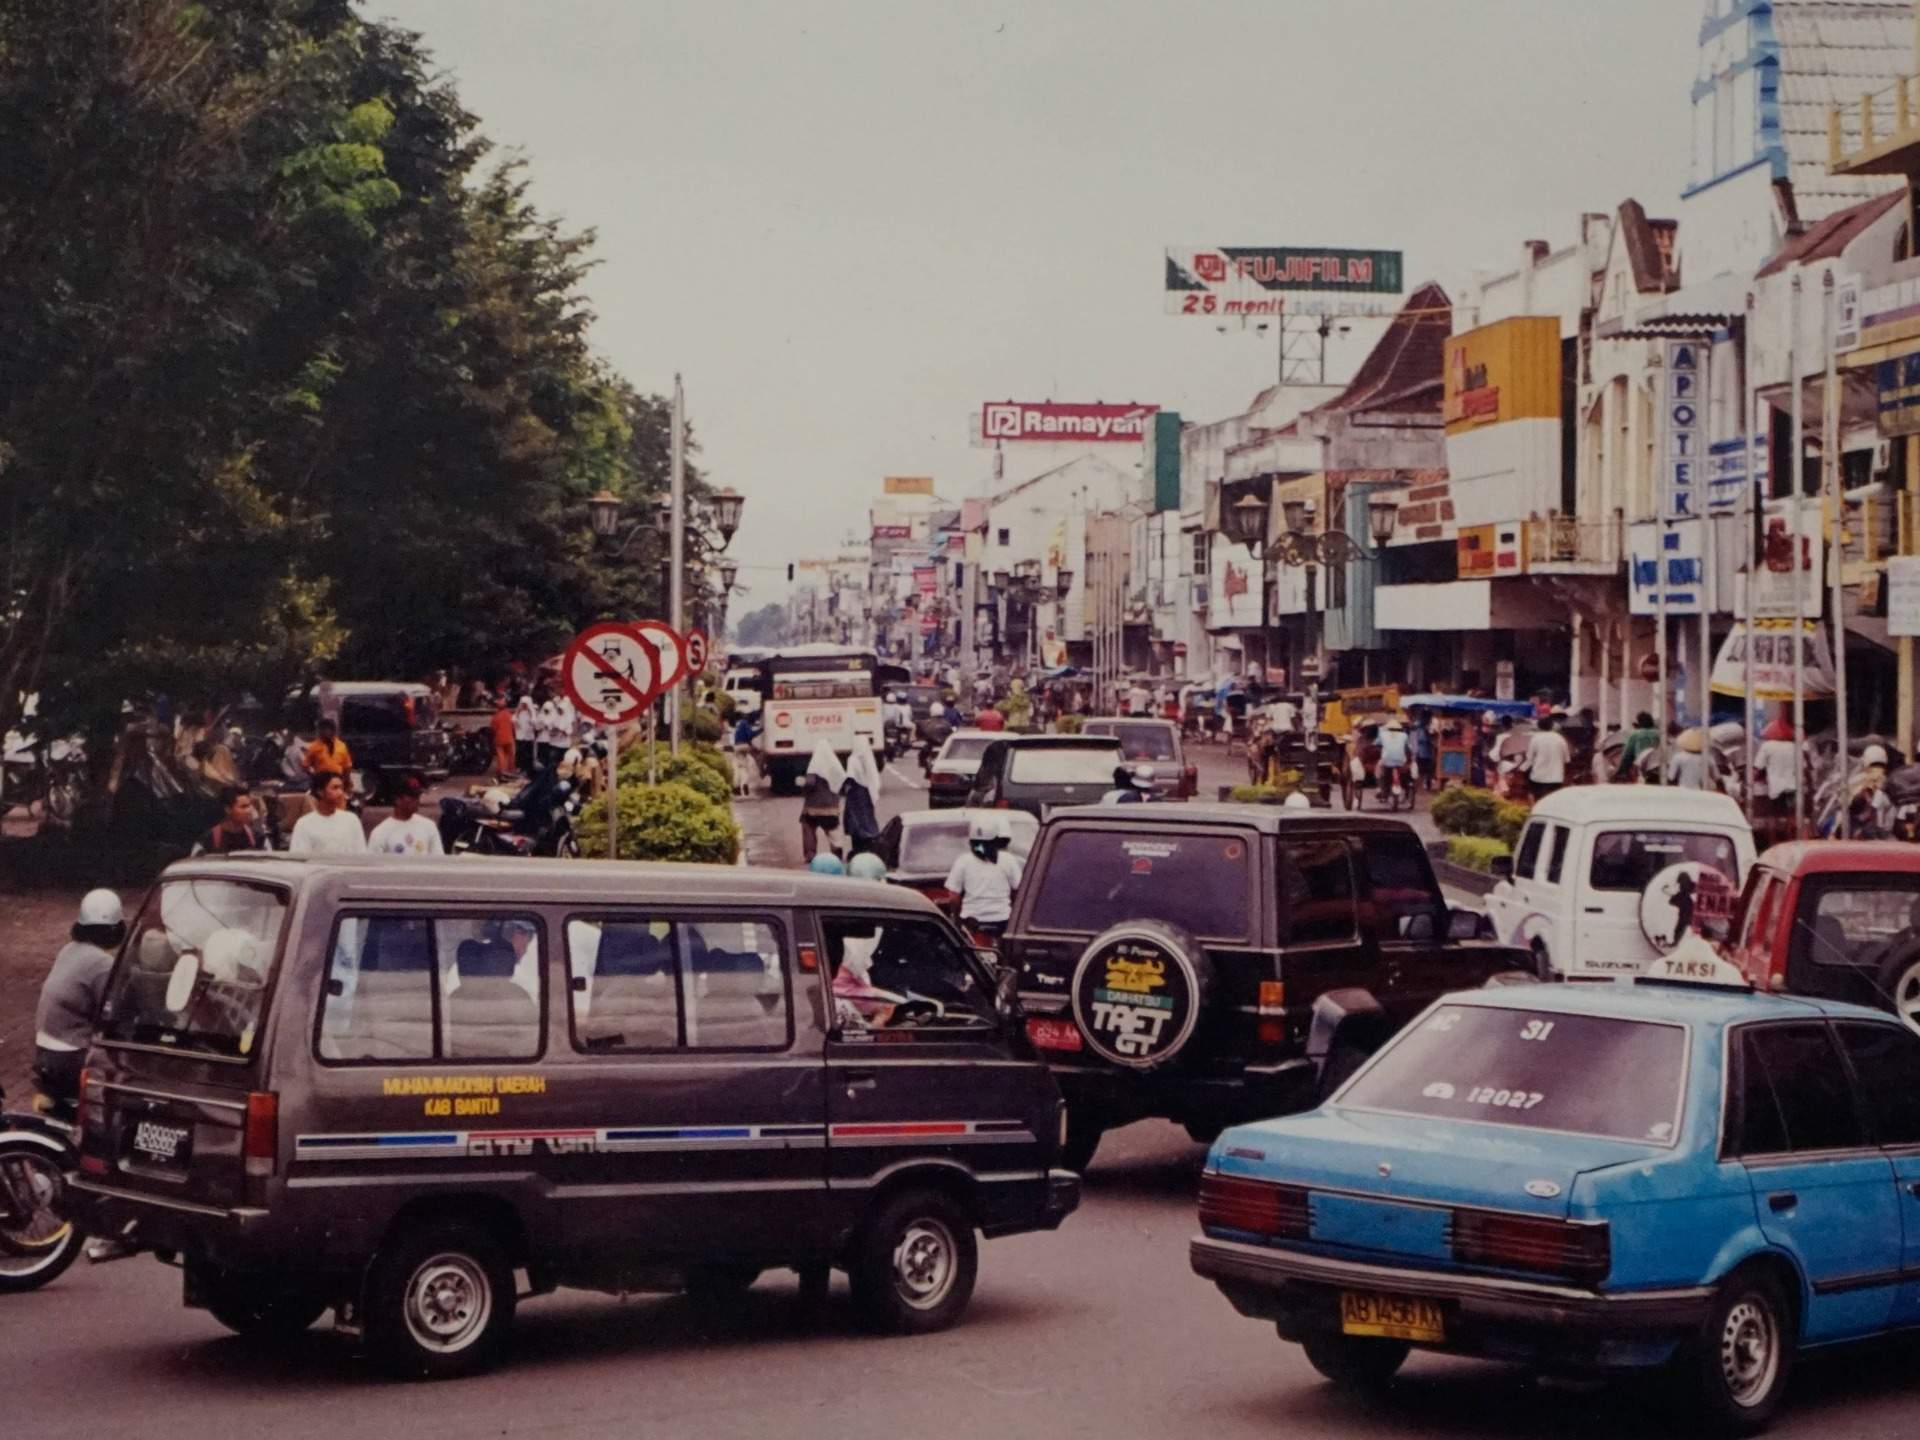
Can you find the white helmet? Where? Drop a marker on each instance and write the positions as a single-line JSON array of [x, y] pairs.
[[231, 956], [100, 907], [1297, 801], [1144, 777], [984, 827], [495, 800], [1872, 755], [1003, 828]]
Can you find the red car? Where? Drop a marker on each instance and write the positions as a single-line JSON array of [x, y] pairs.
[[1836, 919]]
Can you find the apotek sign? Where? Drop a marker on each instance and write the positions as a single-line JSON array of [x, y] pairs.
[[1686, 402], [1051, 420], [1265, 279]]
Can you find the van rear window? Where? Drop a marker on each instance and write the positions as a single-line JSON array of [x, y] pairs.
[[1097, 878], [1629, 859], [194, 973]]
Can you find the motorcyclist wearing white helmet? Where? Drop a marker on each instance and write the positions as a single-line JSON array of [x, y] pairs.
[[985, 877], [71, 993], [1133, 785]]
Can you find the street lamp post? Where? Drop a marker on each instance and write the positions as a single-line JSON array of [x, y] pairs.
[[1301, 544]]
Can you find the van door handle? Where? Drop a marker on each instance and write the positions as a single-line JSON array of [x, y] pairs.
[[856, 1080], [1596, 910], [1781, 1201]]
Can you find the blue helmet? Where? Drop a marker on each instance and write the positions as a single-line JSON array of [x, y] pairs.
[[826, 865], [867, 866]]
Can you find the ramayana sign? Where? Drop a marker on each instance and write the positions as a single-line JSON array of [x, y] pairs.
[[1048, 420]]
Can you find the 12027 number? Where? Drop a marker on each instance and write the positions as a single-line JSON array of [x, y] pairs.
[[1504, 1099]]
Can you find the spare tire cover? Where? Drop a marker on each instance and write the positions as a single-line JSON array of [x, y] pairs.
[[1139, 991], [1688, 895]]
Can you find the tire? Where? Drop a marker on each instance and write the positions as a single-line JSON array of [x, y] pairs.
[[1137, 1037], [39, 1249], [261, 1314], [568, 847], [1355, 1362], [720, 1283], [1542, 963], [1737, 1366], [440, 1303], [1900, 987], [913, 1266], [1084, 1132]]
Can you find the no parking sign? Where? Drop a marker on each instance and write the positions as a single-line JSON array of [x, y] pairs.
[[612, 672]]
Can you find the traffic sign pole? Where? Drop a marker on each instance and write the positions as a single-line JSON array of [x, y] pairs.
[[613, 792]]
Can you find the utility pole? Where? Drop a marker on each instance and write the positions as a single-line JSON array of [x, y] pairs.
[[1799, 448], [1836, 556], [678, 602]]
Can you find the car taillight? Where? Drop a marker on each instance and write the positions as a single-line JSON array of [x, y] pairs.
[[1580, 1252], [261, 1144], [1232, 1202], [1046, 1034]]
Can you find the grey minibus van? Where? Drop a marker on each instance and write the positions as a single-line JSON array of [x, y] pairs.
[[393, 1087]]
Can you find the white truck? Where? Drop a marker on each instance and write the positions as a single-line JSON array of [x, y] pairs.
[[811, 693]]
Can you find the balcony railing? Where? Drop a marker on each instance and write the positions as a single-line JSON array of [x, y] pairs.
[[1873, 136], [1568, 540]]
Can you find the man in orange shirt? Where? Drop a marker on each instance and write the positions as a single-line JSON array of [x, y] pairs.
[[328, 754], [502, 736]]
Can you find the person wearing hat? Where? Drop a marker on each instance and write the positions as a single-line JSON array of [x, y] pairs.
[[1776, 765], [1395, 751], [406, 831], [1869, 811], [1687, 765], [70, 995]]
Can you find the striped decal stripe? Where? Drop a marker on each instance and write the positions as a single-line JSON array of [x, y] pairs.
[[411, 1144]]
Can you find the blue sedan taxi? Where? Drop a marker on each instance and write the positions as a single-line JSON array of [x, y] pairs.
[[1590, 1178]]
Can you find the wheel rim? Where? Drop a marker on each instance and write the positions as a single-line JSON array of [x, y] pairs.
[[40, 1237], [923, 1264], [449, 1302], [1749, 1351], [1906, 997]]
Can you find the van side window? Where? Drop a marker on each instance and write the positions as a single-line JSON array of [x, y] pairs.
[[900, 972], [1529, 856], [1562, 836], [638, 984], [1317, 903], [412, 987]]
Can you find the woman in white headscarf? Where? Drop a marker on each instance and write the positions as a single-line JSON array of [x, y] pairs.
[[820, 801], [863, 796]]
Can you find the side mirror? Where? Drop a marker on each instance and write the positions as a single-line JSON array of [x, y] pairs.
[[1466, 924], [1501, 867]]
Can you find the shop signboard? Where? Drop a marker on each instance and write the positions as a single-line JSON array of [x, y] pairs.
[[1061, 422], [1728, 468], [1236, 588], [1509, 370], [1903, 595], [1485, 551], [1774, 572], [1684, 469], [1897, 383], [1685, 567], [1237, 280], [907, 484], [1773, 661]]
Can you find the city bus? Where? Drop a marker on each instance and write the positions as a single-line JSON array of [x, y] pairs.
[[810, 693]]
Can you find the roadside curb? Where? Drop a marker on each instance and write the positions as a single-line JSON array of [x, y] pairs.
[[1457, 877]]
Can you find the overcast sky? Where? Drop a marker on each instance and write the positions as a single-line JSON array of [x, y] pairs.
[[848, 224]]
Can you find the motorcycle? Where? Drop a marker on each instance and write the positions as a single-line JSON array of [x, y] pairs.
[[38, 1238], [472, 752], [537, 821]]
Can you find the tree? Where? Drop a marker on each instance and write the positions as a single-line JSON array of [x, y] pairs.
[[765, 626]]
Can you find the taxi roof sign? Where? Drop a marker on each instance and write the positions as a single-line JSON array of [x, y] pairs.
[[1694, 962]]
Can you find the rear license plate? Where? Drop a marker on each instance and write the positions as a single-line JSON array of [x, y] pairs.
[[159, 1144], [1053, 1034], [1392, 1317]]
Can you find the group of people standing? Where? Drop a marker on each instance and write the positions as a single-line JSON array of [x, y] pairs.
[[837, 797]]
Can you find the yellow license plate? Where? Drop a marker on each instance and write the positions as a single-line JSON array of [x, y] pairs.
[[1392, 1317]]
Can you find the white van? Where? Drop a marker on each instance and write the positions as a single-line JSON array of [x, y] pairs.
[[1589, 857], [743, 685]]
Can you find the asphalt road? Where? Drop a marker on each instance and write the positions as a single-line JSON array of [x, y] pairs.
[[1099, 1329]]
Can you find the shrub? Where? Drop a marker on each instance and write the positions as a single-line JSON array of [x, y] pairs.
[[1509, 819], [1476, 852], [633, 762], [705, 726], [664, 822], [1462, 810], [687, 768], [1253, 795]]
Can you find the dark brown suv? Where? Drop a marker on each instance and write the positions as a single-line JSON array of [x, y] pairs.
[[1170, 957]]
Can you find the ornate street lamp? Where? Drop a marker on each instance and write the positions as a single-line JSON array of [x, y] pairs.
[[1299, 515], [729, 572], [1382, 515], [1246, 521], [1063, 583], [603, 509], [727, 505], [1027, 570]]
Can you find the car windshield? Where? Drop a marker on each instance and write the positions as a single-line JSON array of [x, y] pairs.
[[1534, 1070], [194, 973], [966, 747], [1097, 878], [1063, 765], [1140, 742], [1629, 859], [936, 844]]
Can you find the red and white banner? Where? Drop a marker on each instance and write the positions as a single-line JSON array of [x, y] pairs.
[[1048, 420]]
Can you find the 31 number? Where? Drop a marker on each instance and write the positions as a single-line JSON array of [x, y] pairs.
[[1536, 1030]]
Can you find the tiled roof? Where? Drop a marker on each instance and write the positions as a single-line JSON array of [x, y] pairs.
[[1832, 235], [1406, 360], [1831, 52]]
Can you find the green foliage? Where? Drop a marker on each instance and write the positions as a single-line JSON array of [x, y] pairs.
[[1463, 810], [1509, 819], [705, 767], [664, 822], [706, 726], [763, 627], [1476, 852], [1254, 795]]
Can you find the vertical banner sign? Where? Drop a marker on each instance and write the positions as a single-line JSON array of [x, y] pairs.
[[1846, 314], [1686, 406]]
